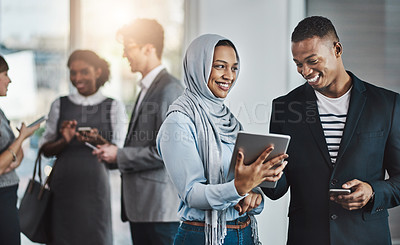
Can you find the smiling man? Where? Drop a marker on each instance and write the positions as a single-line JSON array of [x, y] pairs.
[[345, 133]]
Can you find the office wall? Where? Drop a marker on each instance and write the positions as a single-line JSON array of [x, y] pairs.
[[370, 34], [260, 29]]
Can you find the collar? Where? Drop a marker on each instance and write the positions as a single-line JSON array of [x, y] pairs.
[[358, 84], [146, 81], [320, 95], [93, 99]]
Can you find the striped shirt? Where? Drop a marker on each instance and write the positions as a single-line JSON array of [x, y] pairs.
[[333, 114]]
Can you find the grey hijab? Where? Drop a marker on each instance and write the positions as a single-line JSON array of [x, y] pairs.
[[213, 121]]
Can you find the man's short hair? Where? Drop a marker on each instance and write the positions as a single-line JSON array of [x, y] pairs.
[[314, 26], [144, 31]]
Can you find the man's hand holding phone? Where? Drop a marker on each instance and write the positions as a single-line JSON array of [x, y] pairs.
[[106, 153], [361, 193], [336, 192]]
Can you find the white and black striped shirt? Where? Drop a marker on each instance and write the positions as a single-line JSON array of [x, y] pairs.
[[333, 114]]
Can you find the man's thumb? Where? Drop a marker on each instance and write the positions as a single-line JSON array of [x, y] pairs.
[[350, 183]]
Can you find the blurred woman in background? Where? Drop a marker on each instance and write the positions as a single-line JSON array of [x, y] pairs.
[[10, 158], [80, 207]]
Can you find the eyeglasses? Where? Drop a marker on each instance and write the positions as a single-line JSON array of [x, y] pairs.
[[130, 47]]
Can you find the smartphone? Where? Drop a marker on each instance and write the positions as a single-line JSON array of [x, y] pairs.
[[339, 191], [41, 119], [84, 129], [90, 146]]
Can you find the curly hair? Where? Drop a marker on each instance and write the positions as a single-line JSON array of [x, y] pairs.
[[94, 60], [314, 26]]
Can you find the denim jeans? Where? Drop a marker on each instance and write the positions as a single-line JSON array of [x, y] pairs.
[[153, 233], [194, 235]]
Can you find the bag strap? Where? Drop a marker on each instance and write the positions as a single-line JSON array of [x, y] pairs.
[[37, 167], [46, 182]]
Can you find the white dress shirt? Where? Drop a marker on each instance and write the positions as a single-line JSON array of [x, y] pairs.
[[146, 82], [117, 115]]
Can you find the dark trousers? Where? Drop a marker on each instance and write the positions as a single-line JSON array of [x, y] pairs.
[[9, 221], [153, 233]]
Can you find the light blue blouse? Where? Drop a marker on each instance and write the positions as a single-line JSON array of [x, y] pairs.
[[177, 144]]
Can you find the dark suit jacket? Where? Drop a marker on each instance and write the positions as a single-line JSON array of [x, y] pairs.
[[148, 194], [370, 145]]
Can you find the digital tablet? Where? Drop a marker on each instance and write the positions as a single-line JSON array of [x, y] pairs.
[[252, 145]]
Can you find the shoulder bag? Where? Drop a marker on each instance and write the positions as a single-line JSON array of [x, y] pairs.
[[33, 210]]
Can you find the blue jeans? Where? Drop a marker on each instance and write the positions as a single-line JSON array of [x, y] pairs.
[[153, 233], [194, 235]]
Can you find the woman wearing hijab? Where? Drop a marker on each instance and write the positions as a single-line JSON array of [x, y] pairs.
[[196, 142], [10, 158]]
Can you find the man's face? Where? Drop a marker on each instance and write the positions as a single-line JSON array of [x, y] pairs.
[[317, 60], [135, 54]]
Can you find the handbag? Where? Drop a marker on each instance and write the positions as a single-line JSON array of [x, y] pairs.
[[33, 210]]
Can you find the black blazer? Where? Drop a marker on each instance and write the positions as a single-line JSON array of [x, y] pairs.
[[370, 145]]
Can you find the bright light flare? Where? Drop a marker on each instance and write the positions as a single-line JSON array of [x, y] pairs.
[[47, 170], [121, 16]]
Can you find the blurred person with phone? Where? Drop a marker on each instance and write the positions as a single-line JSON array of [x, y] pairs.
[[149, 200], [11, 155], [81, 205]]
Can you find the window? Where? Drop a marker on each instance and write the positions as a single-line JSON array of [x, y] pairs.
[[35, 40]]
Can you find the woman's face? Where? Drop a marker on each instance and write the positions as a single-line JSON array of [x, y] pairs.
[[4, 81], [223, 71], [83, 76]]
